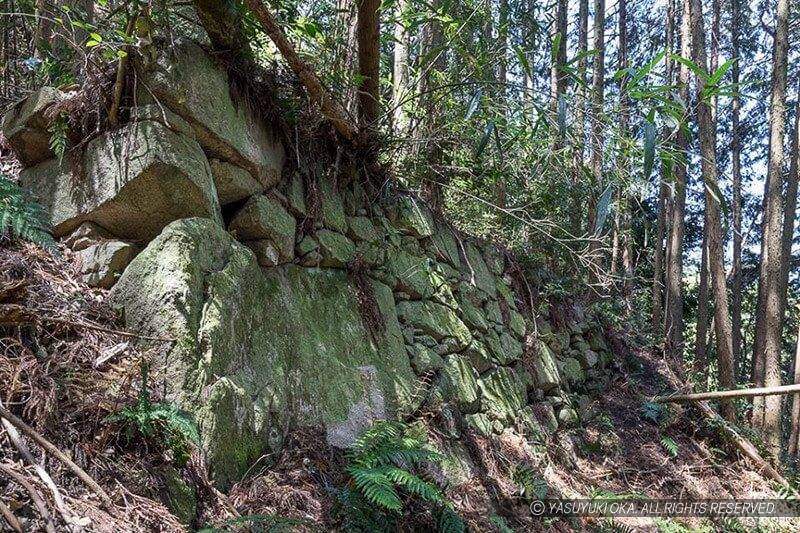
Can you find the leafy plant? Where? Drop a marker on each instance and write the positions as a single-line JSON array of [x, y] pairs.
[[530, 484], [158, 422], [58, 136], [379, 467], [20, 216], [670, 446], [655, 412], [257, 523]]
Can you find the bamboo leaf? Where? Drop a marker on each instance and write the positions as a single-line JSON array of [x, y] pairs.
[[649, 148], [487, 134], [603, 206], [473, 104]]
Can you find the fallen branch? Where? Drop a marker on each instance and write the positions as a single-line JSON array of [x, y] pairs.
[[11, 520], [330, 107], [58, 454], [37, 500], [745, 446], [738, 393]]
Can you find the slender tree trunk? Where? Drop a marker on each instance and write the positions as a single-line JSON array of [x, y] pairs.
[[622, 164], [530, 45], [788, 235], [674, 300], [558, 78], [346, 16], [598, 78], [580, 118], [663, 190], [770, 324], [736, 171], [502, 43], [715, 238], [368, 36], [400, 74], [703, 306], [794, 448], [433, 149]]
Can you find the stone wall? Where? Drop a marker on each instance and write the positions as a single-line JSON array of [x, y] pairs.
[[281, 314]]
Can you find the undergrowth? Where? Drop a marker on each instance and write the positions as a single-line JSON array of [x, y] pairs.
[[20, 216], [158, 423], [381, 469]]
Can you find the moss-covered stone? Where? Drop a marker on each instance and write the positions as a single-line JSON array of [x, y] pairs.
[[544, 366], [572, 371], [179, 497], [424, 360], [337, 250], [503, 393], [459, 383], [444, 245], [265, 218], [480, 423], [479, 275], [435, 320], [257, 347], [361, 229], [331, 207], [412, 217]]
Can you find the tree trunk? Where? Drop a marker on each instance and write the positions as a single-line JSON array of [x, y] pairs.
[[794, 436], [673, 326], [788, 234], [400, 74], [597, 90], [770, 324], [558, 78], [657, 288], [369, 57], [736, 172], [701, 332], [715, 237], [580, 117], [434, 151], [502, 64]]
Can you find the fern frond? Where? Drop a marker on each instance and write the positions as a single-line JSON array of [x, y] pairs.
[[415, 485], [21, 217], [670, 446], [376, 487], [449, 521]]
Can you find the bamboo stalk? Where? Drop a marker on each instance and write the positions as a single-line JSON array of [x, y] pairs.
[[738, 393]]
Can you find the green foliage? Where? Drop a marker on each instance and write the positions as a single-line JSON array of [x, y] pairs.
[[612, 526], [500, 523], [657, 413], [58, 136], [160, 423], [21, 217], [257, 523], [670, 446], [531, 485], [380, 465]]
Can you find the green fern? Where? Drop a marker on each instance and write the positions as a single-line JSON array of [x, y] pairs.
[[500, 523], [670, 446], [380, 466], [530, 484], [21, 217], [160, 422], [58, 136], [612, 526]]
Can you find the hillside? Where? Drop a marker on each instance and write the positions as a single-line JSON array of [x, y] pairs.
[[223, 319]]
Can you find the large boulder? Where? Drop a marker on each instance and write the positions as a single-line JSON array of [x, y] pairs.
[[135, 181], [192, 84], [255, 349], [25, 126], [503, 393]]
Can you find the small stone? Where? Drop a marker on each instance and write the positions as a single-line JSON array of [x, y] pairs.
[[266, 253], [414, 218], [296, 195], [102, 264], [233, 183], [263, 217], [567, 417], [306, 245], [572, 371], [480, 423], [503, 393], [85, 235], [544, 366], [459, 383], [424, 359], [331, 208], [435, 320], [478, 356], [361, 229]]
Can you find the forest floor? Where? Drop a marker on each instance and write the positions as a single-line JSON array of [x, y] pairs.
[[633, 448], [71, 368]]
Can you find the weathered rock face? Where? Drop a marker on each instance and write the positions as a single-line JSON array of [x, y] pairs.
[[304, 304], [191, 84], [254, 349], [135, 181], [25, 126]]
